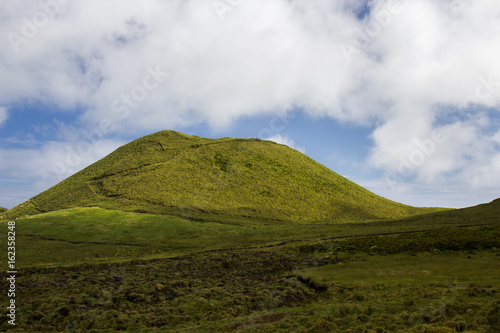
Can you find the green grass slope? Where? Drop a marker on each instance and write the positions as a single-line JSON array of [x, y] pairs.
[[176, 174], [88, 235]]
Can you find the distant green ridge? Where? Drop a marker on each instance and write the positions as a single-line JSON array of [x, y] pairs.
[[173, 173]]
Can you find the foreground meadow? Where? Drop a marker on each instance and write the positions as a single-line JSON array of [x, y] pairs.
[[96, 270]]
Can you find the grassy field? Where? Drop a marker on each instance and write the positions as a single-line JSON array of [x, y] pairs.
[[99, 235], [424, 292], [98, 270], [261, 291]]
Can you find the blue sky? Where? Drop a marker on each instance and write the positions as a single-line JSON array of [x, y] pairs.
[[401, 97]]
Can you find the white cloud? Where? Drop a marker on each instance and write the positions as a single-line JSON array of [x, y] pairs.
[[411, 62], [285, 140], [45, 167], [451, 196], [3, 115]]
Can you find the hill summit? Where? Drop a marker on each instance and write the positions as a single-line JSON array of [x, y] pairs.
[[173, 173]]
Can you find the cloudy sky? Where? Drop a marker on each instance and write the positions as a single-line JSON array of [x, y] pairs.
[[402, 97]]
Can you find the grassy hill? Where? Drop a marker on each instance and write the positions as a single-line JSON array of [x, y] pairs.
[[176, 174]]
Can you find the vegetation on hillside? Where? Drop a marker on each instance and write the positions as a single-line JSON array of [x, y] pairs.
[[176, 174], [94, 234]]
